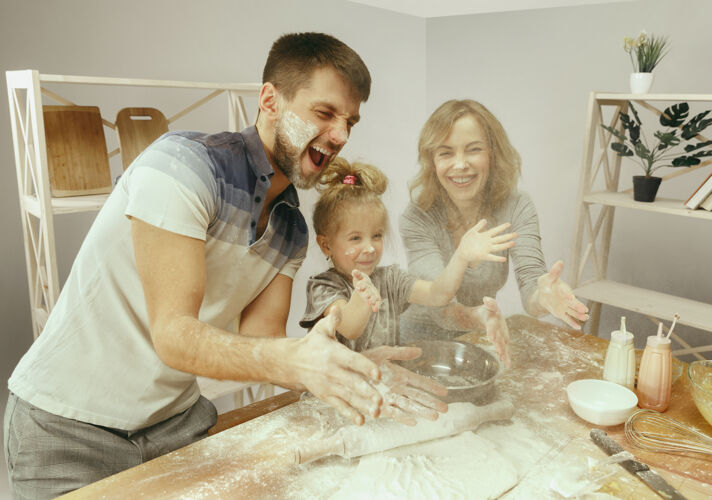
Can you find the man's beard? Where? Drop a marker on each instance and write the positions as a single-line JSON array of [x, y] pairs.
[[288, 158]]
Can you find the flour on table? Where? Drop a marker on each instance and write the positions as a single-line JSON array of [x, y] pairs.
[[461, 466]]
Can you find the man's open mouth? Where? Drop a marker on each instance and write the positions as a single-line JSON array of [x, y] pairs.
[[319, 156]]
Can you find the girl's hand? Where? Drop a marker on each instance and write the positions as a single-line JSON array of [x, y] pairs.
[[497, 331], [364, 287], [557, 297], [477, 244]]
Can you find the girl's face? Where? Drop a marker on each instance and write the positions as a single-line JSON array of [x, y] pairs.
[[357, 242], [462, 161]]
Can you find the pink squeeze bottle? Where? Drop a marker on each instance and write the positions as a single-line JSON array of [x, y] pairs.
[[655, 376]]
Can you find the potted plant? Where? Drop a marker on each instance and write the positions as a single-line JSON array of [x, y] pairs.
[[670, 150], [645, 53]]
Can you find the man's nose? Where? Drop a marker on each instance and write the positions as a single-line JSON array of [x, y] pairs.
[[339, 133]]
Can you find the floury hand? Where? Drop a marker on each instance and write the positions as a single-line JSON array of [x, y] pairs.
[[406, 394], [557, 297], [365, 288], [478, 244], [497, 330]]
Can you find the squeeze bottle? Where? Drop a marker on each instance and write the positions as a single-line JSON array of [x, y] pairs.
[[655, 377], [619, 366]]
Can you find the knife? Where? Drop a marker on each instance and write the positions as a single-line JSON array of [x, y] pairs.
[[640, 470]]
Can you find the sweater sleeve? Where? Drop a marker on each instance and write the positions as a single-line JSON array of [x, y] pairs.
[[419, 232], [526, 255]]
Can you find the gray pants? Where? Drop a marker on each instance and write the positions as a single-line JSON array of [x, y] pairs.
[[48, 455]]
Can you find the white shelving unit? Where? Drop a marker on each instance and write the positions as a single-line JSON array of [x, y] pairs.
[[598, 198], [26, 90]]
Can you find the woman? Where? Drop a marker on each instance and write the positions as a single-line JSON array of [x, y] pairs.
[[469, 171]]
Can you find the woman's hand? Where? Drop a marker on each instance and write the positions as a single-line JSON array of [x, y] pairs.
[[405, 394], [365, 288], [477, 244], [497, 330], [557, 297]]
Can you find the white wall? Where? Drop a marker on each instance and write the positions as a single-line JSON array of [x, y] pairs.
[[534, 70]]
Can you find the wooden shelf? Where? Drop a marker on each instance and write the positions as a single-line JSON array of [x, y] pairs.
[[26, 93], [660, 305], [660, 205], [67, 205], [613, 96], [142, 82], [593, 233]]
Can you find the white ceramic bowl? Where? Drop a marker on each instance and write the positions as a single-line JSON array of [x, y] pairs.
[[601, 402]]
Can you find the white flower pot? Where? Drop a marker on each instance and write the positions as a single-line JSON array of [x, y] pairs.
[[640, 83]]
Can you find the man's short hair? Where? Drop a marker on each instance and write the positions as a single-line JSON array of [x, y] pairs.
[[294, 57]]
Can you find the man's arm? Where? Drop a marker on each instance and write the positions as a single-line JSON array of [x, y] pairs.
[[266, 315], [172, 271]]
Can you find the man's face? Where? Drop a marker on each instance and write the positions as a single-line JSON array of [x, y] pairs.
[[312, 128]]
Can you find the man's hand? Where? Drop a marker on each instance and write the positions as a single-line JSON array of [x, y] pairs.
[[478, 245], [557, 297], [364, 287], [336, 374], [404, 392]]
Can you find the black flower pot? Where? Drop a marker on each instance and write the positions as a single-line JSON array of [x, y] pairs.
[[645, 188]]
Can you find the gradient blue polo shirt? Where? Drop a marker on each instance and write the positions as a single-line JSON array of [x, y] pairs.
[[94, 360]]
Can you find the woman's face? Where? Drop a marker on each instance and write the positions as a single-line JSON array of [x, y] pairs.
[[462, 161]]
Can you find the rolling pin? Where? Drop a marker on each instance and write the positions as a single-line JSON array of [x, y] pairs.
[[383, 434]]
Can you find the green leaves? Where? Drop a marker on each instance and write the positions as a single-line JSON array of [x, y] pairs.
[[685, 161], [615, 132], [666, 139], [621, 149], [692, 147], [675, 115], [632, 143], [633, 128], [696, 125]]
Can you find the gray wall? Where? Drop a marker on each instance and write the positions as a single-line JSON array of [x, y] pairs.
[[534, 69]]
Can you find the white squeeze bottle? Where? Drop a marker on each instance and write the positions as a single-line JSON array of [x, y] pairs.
[[619, 366]]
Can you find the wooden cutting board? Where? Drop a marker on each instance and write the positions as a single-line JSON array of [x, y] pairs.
[[137, 129], [77, 158]]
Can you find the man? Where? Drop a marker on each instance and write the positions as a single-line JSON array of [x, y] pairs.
[[201, 229]]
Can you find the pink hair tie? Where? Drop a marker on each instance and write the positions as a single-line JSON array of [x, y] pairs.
[[350, 179]]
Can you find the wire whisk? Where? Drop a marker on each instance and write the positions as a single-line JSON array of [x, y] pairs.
[[649, 430]]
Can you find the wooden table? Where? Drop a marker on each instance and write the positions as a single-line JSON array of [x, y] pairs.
[[253, 459]]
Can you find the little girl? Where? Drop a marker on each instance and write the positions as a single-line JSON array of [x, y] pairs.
[[350, 222]]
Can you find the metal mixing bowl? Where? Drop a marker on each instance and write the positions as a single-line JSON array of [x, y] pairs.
[[466, 370]]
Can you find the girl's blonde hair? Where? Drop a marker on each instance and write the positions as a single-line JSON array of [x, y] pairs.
[[336, 190], [505, 162]]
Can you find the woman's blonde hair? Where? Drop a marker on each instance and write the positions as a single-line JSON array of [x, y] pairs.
[[505, 162], [343, 183]]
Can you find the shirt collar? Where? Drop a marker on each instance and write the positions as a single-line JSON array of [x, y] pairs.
[[261, 165]]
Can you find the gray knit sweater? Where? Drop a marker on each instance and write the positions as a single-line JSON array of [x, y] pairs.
[[429, 247]]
